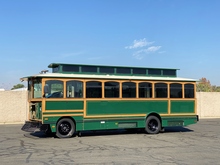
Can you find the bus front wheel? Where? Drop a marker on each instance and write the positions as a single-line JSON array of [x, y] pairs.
[[153, 125], [65, 128]]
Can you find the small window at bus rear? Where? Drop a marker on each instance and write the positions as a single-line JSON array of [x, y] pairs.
[[124, 70], [70, 68], [169, 72], [154, 72], [106, 70], [139, 71], [89, 69]]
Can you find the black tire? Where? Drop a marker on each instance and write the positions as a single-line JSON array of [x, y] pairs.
[[65, 128], [153, 125]]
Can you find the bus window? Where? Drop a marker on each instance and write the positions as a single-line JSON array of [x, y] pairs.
[[161, 90], [111, 89], [93, 89], [74, 89], [175, 90], [128, 90], [145, 90], [189, 90], [53, 89], [30, 89], [37, 88]]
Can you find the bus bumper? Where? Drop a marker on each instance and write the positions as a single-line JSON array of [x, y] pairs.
[[31, 126]]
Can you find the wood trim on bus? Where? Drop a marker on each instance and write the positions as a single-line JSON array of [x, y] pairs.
[[84, 99]]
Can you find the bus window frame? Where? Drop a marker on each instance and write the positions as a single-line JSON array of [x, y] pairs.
[[120, 82]]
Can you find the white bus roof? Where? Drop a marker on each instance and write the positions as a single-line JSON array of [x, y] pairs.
[[109, 77]]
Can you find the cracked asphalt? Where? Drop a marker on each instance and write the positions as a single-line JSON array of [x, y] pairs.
[[195, 144]]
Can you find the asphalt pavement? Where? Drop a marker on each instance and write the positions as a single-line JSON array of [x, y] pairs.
[[197, 144]]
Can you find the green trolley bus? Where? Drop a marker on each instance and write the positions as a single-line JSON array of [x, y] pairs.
[[77, 97]]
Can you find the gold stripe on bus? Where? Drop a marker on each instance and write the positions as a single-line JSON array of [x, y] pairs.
[[195, 107], [43, 105], [138, 115], [63, 99], [35, 100], [178, 114], [118, 99], [65, 110], [59, 115], [85, 109], [84, 95], [169, 107], [104, 116], [138, 99]]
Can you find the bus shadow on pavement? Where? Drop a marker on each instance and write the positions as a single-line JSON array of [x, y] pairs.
[[40, 134], [37, 135], [131, 131], [177, 129], [110, 132]]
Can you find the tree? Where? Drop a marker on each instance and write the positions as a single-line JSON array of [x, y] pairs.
[[204, 85], [17, 86], [215, 88]]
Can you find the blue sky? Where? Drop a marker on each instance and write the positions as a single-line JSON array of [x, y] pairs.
[[148, 33]]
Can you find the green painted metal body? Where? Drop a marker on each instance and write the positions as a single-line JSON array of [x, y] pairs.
[[111, 114], [97, 69], [179, 120], [64, 105], [182, 106], [125, 107], [114, 123]]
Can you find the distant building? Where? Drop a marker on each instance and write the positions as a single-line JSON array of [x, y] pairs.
[[1, 89]]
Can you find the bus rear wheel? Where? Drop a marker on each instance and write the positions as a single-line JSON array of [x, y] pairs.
[[153, 125], [65, 128]]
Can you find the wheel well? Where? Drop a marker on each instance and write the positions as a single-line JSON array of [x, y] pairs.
[[157, 115], [67, 117]]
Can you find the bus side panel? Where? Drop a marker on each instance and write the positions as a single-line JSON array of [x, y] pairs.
[[64, 105], [95, 108], [179, 120], [182, 106], [126, 123], [116, 123], [178, 108], [94, 124]]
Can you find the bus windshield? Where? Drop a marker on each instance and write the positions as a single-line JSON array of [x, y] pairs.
[[53, 89]]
